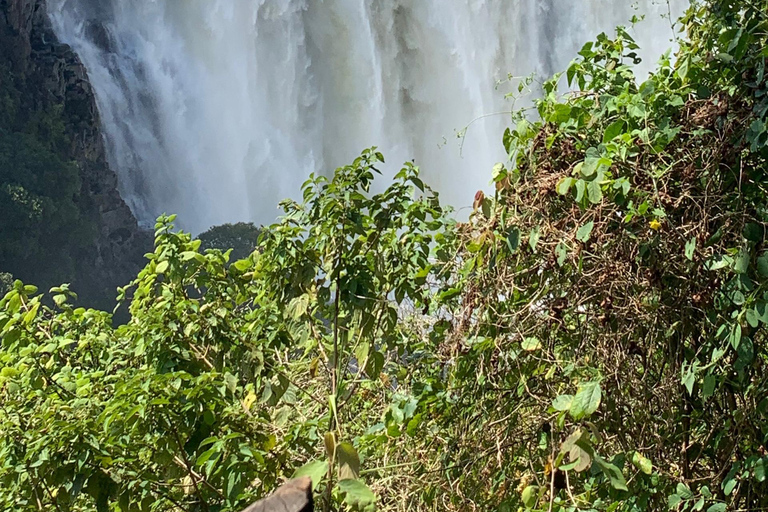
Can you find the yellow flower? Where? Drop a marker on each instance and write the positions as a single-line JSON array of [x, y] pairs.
[[655, 225]]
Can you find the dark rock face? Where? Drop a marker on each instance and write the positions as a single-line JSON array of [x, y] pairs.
[[53, 77]]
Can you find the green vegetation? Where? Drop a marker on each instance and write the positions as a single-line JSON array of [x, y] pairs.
[[592, 339], [242, 238], [46, 224]]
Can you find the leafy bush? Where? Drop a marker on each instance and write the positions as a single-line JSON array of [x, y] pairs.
[[242, 238], [227, 375]]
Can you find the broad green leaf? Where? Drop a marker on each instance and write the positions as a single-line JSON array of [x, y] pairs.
[[298, 306], [729, 485], [615, 129], [594, 192], [752, 319], [581, 188], [613, 473], [642, 463], [760, 469], [564, 185], [513, 239], [718, 507], [584, 232], [316, 470], [762, 264], [586, 401], [356, 493], [562, 402], [348, 461], [710, 381], [735, 336], [530, 496], [684, 491], [580, 451], [531, 344], [533, 238], [561, 251]]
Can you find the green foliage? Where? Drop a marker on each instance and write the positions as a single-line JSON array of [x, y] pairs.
[[241, 237], [219, 375], [643, 282], [47, 223], [42, 226]]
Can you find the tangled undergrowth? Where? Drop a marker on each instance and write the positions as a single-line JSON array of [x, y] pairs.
[[620, 263]]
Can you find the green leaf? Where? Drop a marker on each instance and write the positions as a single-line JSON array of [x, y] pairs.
[[562, 402], [162, 267], [564, 185], [752, 319], [584, 232], [735, 336], [718, 507], [533, 238], [581, 188], [561, 251], [614, 130], [760, 469], [589, 167], [348, 460], [316, 470], [690, 248], [689, 377], [586, 401], [613, 473], [594, 192], [761, 308], [684, 491], [513, 239], [762, 264], [356, 493], [718, 262], [683, 67], [642, 463], [710, 381], [729, 485], [580, 452], [531, 344], [298, 306], [753, 232], [530, 496]]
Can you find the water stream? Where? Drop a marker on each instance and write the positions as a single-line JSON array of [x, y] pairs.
[[217, 109]]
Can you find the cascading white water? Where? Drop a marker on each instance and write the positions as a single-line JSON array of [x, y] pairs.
[[217, 109]]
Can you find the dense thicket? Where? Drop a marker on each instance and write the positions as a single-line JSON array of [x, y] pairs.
[[43, 226], [593, 338], [61, 217]]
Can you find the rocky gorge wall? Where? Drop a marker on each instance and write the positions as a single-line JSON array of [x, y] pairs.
[[47, 101]]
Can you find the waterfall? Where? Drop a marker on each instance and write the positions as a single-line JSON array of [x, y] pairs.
[[217, 109]]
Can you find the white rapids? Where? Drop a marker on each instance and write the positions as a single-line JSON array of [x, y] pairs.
[[217, 109]]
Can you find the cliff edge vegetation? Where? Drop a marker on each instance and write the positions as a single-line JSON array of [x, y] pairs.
[[61, 217]]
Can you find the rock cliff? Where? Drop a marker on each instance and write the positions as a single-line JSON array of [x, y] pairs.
[[49, 81]]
